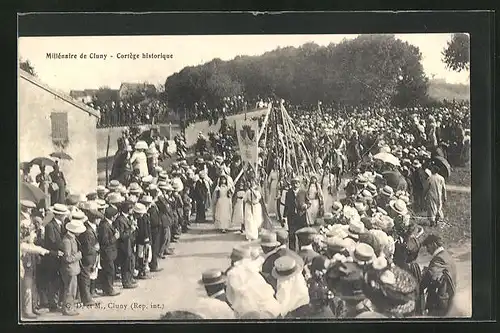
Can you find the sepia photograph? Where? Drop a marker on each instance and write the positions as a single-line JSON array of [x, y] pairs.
[[238, 177]]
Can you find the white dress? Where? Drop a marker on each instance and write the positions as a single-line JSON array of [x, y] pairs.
[[253, 214], [273, 188], [327, 197], [223, 208], [140, 161], [313, 210], [238, 213]]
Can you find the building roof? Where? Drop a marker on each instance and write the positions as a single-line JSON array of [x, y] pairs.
[[132, 86], [77, 93], [28, 77]]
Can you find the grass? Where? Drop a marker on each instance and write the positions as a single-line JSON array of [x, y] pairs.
[[460, 176], [440, 90]]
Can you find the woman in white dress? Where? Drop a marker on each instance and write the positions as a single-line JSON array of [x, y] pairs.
[[222, 205], [238, 218], [315, 195], [253, 212], [327, 188], [272, 182], [139, 160]]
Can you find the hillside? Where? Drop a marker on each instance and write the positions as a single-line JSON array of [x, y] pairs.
[[440, 89]]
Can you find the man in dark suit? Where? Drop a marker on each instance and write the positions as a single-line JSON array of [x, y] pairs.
[[124, 244], [89, 247], [156, 229], [200, 195], [107, 236], [54, 231], [306, 238], [439, 279], [295, 213], [167, 217]]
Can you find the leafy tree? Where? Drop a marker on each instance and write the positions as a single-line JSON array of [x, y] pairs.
[[27, 66], [456, 55]]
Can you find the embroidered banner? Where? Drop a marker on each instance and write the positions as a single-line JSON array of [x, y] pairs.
[[248, 132]]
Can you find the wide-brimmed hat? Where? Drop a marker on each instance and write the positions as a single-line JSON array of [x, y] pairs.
[[337, 207], [399, 206], [134, 188], [285, 267], [140, 208], [282, 236], [78, 215], [372, 188], [101, 204], [387, 191], [28, 204], [212, 277], [328, 217], [59, 209], [379, 263], [147, 179], [141, 145], [76, 227], [163, 175], [101, 189], [240, 252], [114, 184], [152, 187], [355, 228], [337, 232], [269, 239], [335, 244], [115, 198], [364, 253], [147, 199]]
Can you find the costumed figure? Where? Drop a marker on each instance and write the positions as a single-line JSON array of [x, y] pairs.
[[222, 199], [315, 195]]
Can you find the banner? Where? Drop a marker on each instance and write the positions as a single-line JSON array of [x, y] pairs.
[[248, 132]]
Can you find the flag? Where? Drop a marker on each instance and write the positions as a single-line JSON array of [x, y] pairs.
[[248, 132]]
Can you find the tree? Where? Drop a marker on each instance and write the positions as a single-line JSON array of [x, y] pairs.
[[456, 54], [27, 66]]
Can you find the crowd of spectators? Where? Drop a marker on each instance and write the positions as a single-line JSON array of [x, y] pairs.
[[126, 114]]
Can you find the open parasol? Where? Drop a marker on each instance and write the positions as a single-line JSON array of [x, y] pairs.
[[61, 155], [43, 160], [30, 192], [443, 164], [387, 158]]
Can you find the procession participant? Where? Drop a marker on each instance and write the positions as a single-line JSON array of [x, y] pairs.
[[337, 211], [89, 247], [200, 194], [272, 190], [54, 231], [292, 291], [254, 217], [143, 239], [124, 259], [222, 210], [167, 218], [43, 180], [155, 217], [295, 212], [439, 278], [58, 185], [70, 265], [435, 196], [305, 238], [107, 236], [238, 216], [119, 170], [138, 160], [315, 196]]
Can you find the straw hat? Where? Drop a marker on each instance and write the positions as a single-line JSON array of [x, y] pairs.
[[28, 204], [115, 198], [337, 232], [76, 227], [140, 208], [212, 277], [388, 277], [101, 204], [379, 263], [240, 252], [335, 244], [356, 228], [163, 175], [147, 179], [337, 207], [147, 199], [269, 239], [59, 209], [285, 267], [79, 216], [387, 191], [114, 184], [101, 189], [399, 206], [134, 188], [364, 253]]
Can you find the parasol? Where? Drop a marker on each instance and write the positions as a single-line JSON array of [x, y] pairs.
[[444, 166], [30, 192], [387, 158], [61, 155], [43, 160]]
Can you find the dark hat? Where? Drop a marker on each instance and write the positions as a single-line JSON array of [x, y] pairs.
[[285, 267], [212, 277], [432, 238], [110, 212], [72, 199], [306, 231], [92, 196], [127, 205]]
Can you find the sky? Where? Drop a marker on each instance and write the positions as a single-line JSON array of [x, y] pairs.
[[79, 74]]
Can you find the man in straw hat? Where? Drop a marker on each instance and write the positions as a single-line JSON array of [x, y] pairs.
[[305, 237], [70, 265], [108, 236], [167, 217], [214, 283], [155, 221], [295, 212], [126, 228], [291, 291], [54, 231], [143, 239]]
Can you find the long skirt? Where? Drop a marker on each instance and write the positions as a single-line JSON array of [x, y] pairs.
[[253, 221], [271, 200], [312, 211], [434, 208], [238, 218], [223, 212]]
